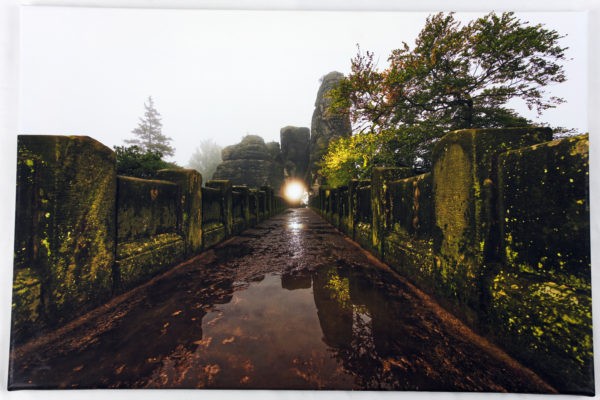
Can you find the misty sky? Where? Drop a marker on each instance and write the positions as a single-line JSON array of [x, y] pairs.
[[219, 74]]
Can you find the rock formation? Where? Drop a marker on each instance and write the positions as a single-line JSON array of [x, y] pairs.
[[295, 144], [252, 163], [325, 126]]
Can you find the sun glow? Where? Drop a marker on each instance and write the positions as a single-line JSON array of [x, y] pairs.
[[295, 192]]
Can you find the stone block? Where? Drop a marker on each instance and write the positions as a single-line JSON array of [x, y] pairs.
[[244, 193], [190, 183], [253, 207], [540, 295], [544, 206], [146, 208], [380, 204], [411, 202], [149, 228], [141, 259], [262, 205], [224, 186], [65, 230]]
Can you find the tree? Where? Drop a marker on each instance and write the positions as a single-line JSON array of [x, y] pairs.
[[206, 158], [354, 157], [149, 133], [133, 161], [456, 76]]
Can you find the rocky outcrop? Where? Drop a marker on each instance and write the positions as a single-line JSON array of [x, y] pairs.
[[295, 144], [252, 163], [325, 126]]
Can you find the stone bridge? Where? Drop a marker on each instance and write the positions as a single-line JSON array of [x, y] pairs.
[[124, 282]]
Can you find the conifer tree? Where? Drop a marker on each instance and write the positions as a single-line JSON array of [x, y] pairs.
[[149, 136]]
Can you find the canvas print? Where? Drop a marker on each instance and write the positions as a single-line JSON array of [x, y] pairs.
[[302, 200]]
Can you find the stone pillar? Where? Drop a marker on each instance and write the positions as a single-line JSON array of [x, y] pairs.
[[262, 205], [190, 182], [380, 202], [225, 187], [352, 214], [245, 202], [254, 207], [268, 201], [65, 230]]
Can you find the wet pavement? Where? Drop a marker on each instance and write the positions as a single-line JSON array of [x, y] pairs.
[[289, 304]]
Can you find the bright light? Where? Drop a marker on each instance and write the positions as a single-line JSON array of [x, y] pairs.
[[294, 192]]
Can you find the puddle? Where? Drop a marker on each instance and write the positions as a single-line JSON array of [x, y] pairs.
[[335, 328]]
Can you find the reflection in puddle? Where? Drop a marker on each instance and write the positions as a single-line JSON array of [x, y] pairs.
[[270, 338], [334, 328], [295, 226]]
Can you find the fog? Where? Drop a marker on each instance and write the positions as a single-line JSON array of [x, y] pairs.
[[219, 74]]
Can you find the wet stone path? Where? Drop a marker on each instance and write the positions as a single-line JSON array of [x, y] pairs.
[[288, 304]]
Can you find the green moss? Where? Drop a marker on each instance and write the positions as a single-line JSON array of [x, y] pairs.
[[545, 319], [380, 204], [453, 197], [66, 189], [544, 206], [146, 208], [26, 302], [139, 260], [212, 234]]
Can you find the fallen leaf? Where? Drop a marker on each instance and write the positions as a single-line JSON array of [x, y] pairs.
[[204, 342], [228, 340]]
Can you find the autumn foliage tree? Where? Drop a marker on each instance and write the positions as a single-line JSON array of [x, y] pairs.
[[456, 76]]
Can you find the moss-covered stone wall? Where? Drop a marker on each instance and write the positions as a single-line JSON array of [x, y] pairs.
[[411, 206], [239, 223], [149, 229], [381, 202], [499, 233], [146, 208], [83, 234], [224, 188], [242, 201], [65, 224], [190, 183], [463, 180], [213, 227], [408, 240], [540, 291]]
